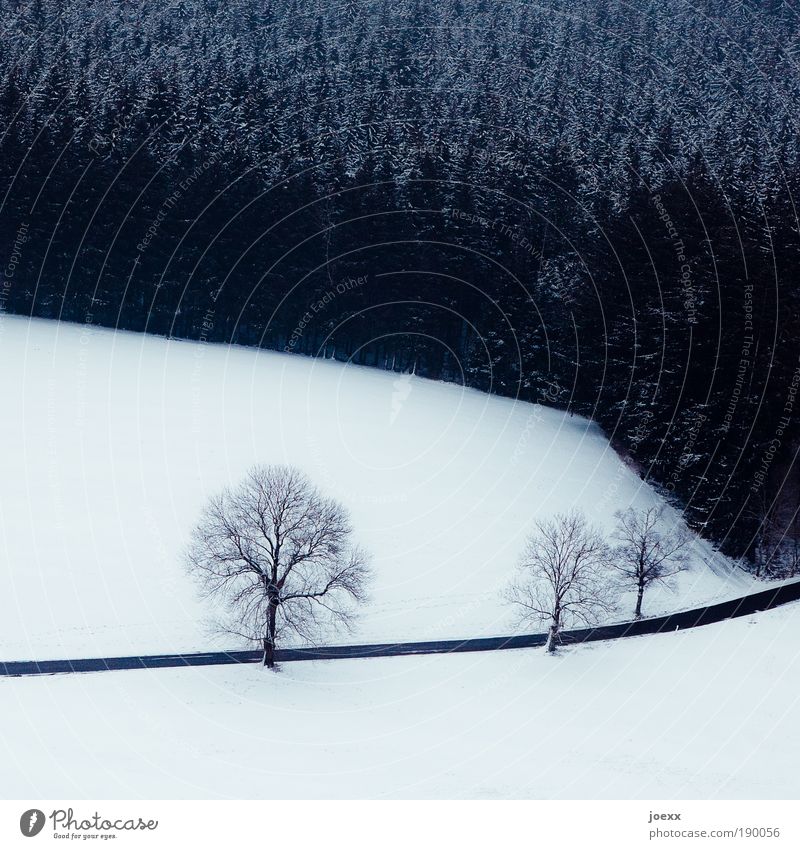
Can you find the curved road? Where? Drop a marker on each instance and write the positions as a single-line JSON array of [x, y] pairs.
[[744, 606]]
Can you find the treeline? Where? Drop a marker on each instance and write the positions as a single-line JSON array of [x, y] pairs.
[[589, 204]]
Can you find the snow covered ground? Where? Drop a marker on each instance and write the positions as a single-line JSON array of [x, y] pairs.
[[113, 441], [708, 713]]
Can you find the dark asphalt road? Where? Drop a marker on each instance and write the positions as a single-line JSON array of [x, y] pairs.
[[744, 606]]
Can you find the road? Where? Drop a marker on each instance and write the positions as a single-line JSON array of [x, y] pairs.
[[743, 606]]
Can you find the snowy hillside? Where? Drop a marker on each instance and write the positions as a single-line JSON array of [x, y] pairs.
[[709, 713], [116, 440]]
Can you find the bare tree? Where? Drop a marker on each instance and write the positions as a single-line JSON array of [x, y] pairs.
[[646, 552], [793, 538], [563, 576], [278, 556], [763, 508], [774, 509]]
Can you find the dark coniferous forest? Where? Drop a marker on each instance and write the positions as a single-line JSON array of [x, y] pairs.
[[589, 204]]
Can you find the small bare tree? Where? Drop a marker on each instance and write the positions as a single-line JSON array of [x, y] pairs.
[[764, 508], [563, 576], [278, 556], [647, 553]]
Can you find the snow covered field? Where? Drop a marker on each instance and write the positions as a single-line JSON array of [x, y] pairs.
[[709, 713], [112, 442]]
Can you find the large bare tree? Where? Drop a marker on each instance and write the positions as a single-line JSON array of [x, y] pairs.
[[278, 557], [563, 577], [647, 551]]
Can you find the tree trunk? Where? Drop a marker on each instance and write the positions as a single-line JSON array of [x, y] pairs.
[[269, 653], [269, 638], [552, 637], [638, 612]]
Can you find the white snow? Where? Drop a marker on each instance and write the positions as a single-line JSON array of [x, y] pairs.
[[112, 442], [709, 713]]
